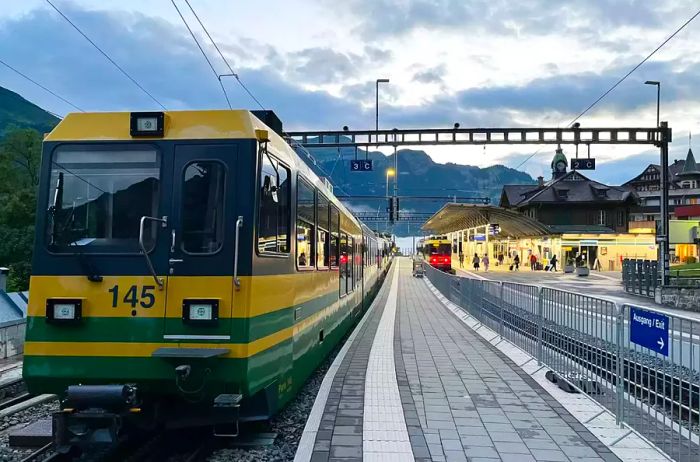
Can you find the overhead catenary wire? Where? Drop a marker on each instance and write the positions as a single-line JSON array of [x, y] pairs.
[[619, 81], [635, 68], [21, 74], [216, 74], [126, 74], [233, 73]]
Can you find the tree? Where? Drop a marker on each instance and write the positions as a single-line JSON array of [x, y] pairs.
[[20, 159]]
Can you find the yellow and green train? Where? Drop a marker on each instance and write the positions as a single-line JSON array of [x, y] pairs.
[[188, 267]]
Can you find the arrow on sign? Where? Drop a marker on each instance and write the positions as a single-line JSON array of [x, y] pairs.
[[661, 344]]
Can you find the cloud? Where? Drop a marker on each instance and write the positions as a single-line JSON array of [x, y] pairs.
[[398, 17], [431, 75]]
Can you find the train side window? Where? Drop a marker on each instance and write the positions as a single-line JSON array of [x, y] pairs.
[[323, 240], [273, 216], [343, 270], [351, 264], [306, 207], [335, 237], [203, 191]]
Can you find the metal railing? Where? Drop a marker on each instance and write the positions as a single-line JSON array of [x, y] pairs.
[[650, 384], [640, 276]]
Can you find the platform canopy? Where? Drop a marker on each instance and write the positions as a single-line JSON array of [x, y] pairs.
[[454, 217]]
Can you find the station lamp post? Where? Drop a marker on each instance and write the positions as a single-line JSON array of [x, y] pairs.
[[658, 97], [389, 172], [376, 118], [390, 200], [663, 228]]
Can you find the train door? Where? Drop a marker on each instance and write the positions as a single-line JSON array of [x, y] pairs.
[[202, 244]]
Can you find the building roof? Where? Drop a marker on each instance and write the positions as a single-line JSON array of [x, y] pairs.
[[673, 169], [515, 193], [13, 306], [580, 229], [453, 217], [572, 187], [690, 168]]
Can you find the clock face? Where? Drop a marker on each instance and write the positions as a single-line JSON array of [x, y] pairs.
[[560, 166]]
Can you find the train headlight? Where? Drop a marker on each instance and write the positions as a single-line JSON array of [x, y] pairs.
[[147, 124], [200, 311], [63, 310]]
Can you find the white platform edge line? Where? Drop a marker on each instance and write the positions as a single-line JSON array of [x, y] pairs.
[[486, 333], [308, 437]]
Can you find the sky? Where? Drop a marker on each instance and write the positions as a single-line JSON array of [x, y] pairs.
[[482, 63]]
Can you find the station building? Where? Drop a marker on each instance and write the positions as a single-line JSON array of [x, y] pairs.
[[683, 205], [567, 216]]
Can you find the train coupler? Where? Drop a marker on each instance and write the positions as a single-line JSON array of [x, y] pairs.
[[93, 415], [226, 412]]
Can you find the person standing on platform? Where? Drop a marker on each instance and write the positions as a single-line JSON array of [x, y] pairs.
[[486, 262], [475, 261], [533, 262], [461, 260], [553, 263], [516, 262]]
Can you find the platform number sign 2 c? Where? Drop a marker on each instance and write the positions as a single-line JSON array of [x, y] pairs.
[[649, 329], [361, 165]]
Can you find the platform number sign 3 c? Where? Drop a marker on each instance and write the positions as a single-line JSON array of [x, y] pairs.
[[361, 165], [649, 329]]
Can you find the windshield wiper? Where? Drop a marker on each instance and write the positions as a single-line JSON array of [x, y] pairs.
[[55, 208], [87, 266]]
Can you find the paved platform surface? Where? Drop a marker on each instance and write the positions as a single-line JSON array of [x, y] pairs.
[[448, 396]]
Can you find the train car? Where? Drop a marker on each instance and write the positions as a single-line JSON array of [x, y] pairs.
[[189, 268], [437, 251]]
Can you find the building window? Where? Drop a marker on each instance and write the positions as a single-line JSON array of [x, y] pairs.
[[620, 218], [273, 216], [602, 217], [306, 207]]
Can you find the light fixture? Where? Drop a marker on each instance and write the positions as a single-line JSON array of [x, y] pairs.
[[201, 311], [63, 311], [390, 172], [147, 124]]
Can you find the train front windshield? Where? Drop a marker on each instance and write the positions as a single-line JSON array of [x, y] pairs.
[[98, 195], [441, 249]]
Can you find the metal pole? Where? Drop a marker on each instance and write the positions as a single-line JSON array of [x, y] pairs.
[[376, 106], [663, 262], [396, 172], [658, 103], [540, 322], [376, 117]]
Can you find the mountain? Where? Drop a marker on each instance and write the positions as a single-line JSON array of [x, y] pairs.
[[419, 175], [17, 111]]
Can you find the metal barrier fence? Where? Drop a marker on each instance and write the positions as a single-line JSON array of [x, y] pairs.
[[640, 276], [643, 365]]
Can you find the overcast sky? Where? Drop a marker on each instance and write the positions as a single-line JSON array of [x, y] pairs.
[[476, 62]]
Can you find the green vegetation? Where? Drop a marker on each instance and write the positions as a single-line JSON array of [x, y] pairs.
[[20, 157], [16, 111], [688, 270], [22, 125]]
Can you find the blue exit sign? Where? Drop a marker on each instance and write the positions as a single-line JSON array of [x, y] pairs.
[[649, 329], [360, 165]]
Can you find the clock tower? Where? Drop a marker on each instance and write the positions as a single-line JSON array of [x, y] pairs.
[[559, 164]]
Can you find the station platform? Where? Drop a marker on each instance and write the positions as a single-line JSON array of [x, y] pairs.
[[416, 382]]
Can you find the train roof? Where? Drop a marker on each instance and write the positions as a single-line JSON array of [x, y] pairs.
[[193, 125]]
